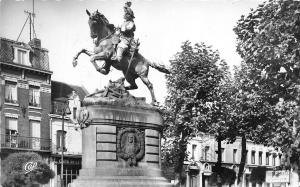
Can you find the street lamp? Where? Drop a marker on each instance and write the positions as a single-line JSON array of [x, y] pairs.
[[65, 111]]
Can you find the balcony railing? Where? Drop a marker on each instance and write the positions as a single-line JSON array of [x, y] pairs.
[[23, 142]]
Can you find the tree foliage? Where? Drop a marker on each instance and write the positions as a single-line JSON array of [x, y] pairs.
[[249, 111], [192, 99], [268, 41], [258, 175], [14, 173]]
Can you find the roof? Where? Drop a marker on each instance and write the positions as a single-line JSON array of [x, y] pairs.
[[38, 57], [60, 89]]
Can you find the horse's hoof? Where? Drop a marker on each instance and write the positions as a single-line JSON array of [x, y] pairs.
[[154, 103], [74, 63]]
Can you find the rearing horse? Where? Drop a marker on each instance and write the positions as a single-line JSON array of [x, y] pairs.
[[102, 32]]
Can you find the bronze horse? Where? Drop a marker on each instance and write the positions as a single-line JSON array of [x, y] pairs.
[[132, 67]]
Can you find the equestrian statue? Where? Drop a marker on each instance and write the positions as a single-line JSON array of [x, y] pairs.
[[117, 47]]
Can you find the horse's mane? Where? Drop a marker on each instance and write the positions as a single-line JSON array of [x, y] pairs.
[[97, 15]]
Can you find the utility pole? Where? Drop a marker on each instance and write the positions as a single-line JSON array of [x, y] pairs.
[[65, 111], [30, 16], [62, 149]]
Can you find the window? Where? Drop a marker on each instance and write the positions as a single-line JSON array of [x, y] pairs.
[[223, 154], [234, 155], [260, 158], [11, 132], [34, 96], [274, 160], [35, 127], [206, 153], [21, 56], [11, 125], [246, 157], [74, 112], [267, 158], [279, 158], [10, 92], [60, 142], [252, 157], [193, 150]]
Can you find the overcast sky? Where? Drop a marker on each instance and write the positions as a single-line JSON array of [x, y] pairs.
[[162, 26]]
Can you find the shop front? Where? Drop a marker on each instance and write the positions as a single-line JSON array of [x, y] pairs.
[[280, 178]]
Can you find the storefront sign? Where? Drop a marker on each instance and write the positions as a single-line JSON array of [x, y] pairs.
[[282, 176]]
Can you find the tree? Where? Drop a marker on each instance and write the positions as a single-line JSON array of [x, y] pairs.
[[191, 101], [268, 41], [250, 113], [14, 171], [219, 115]]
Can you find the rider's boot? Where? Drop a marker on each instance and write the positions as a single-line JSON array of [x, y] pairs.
[[102, 70], [119, 54]]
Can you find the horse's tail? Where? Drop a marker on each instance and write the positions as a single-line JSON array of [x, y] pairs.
[[159, 67]]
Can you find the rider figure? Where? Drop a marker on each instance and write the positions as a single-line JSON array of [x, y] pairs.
[[126, 32]]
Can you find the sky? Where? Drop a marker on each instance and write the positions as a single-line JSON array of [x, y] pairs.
[[162, 27]]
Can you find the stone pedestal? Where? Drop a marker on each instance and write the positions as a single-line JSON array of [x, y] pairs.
[[121, 147]]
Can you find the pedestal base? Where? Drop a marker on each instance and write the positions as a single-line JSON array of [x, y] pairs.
[[121, 148], [121, 177]]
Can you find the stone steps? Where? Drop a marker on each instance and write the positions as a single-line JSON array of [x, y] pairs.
[[121, 181], [150, 172]]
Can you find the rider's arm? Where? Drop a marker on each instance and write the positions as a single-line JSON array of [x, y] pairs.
[[127, 26]]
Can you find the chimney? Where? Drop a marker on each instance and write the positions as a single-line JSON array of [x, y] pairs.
[[36, 43]]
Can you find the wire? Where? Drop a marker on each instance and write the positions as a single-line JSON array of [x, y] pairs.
[[23, 27]]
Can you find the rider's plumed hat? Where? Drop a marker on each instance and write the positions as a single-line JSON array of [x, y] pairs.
[[128, 10]]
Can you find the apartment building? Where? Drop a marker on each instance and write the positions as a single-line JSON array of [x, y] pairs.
[[30, 114], [25, 98], [203, 151]]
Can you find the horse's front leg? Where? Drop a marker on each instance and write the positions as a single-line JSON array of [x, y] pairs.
[[101, 56], [85, 51]]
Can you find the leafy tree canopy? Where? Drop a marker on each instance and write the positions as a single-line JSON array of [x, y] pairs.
[[15, 175], [196, 87], [268, 40]]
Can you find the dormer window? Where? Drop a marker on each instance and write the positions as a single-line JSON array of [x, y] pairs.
[[21, 55]]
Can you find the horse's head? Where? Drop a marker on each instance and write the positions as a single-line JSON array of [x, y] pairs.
[[98, 23]]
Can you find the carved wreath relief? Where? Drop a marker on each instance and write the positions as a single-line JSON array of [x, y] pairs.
[[131, 145]]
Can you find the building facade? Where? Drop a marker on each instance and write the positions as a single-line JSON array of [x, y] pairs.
[[25, 98], [203, 151], [30, 115], [68, 134]]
